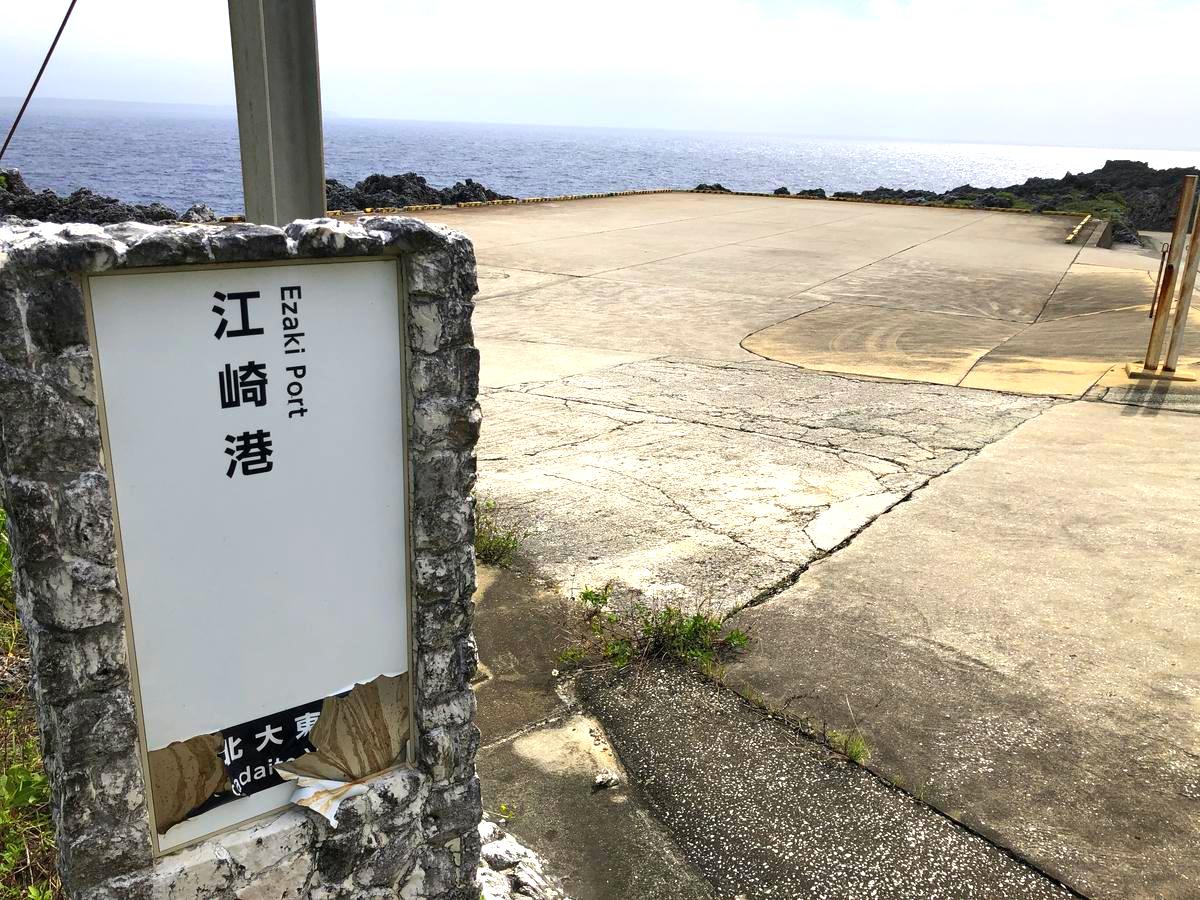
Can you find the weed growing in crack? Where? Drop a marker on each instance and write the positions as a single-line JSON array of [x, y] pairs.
[[852, 745], [621, 638], [496, 542]]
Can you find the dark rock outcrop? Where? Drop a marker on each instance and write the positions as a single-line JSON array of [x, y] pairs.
[[18, 199], [995, 201], [409, 189], [803, 192], [199, 213], [1131, 194], [715, 186], [891, 194]]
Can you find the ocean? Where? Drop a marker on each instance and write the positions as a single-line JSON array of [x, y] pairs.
[[179, 157]]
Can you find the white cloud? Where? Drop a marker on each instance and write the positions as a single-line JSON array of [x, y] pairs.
[[1107, 72]]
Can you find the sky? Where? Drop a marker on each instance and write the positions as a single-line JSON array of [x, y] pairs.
[[1103, 73]]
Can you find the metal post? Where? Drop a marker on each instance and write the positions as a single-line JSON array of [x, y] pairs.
[[1166, 293], [1186, 286], [1162, 264], [278, 87]]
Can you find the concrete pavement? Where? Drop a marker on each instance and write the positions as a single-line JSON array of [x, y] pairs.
[[765, 813], [1021, 645], [629, 428], [946, 296], [750, 808]]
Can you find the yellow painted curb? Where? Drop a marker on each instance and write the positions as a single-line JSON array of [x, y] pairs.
[[1078, 228]]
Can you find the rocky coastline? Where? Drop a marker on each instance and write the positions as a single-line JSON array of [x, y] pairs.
[[1131, 194], [1134, 196], [409, 189], [19, 200]]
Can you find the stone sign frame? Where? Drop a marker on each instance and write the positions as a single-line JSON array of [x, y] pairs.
[[414, 833]]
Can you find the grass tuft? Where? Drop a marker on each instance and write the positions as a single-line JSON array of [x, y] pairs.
[[27, 859], [621, 638], [496, 542], [856, 747], [852, 745]]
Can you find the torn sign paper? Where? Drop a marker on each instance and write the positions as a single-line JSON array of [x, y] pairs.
[[357, 736], [183, 776]]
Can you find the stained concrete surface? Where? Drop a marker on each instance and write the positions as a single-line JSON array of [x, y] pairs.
[[1086, 290], [541, 754], [984, 287], [764, 813], [1020, 643], [885, 343], [1057, 333]]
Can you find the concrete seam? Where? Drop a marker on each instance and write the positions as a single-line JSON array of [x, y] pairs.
[[520, 292], [889, 256], [853, 376], [1095, 312], [1149, 410], [1066, 271], [797, 725], [984, 356]]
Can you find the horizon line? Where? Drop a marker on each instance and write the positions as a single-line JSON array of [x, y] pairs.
[[231, 109]]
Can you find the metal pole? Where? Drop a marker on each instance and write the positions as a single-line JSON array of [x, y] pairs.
[[278, 85], [1162, 264], [1166, 293], [1185, 301]]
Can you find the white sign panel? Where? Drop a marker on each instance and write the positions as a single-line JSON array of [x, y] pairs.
[[255, 418]]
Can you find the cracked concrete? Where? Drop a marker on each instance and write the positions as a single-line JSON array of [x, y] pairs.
[[706, 484]]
